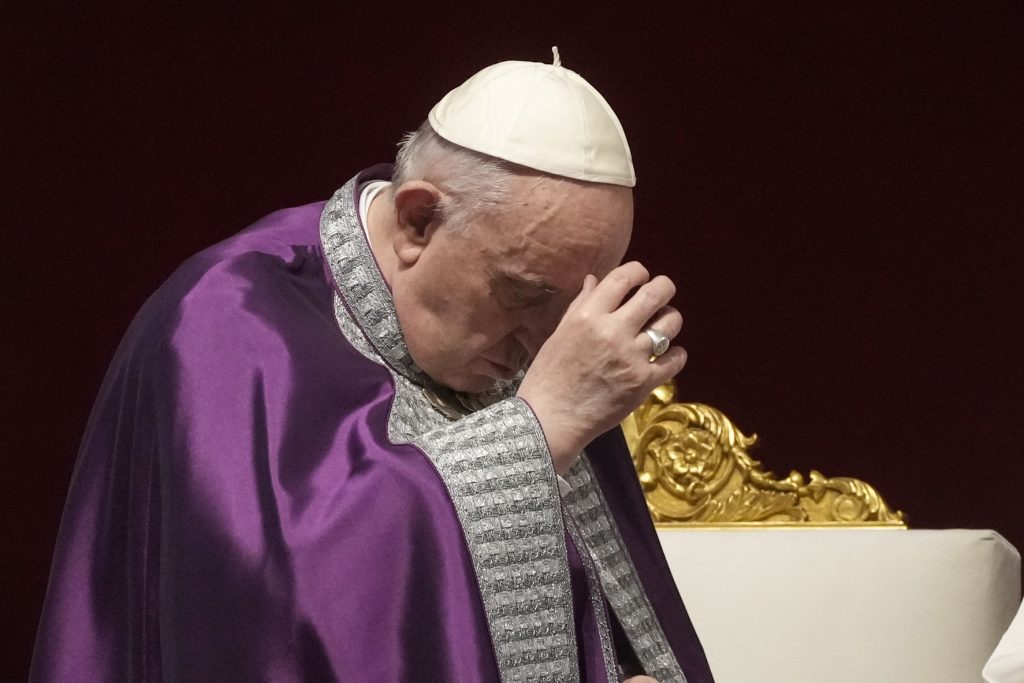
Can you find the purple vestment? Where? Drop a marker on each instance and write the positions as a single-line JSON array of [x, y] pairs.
[[264, 493]]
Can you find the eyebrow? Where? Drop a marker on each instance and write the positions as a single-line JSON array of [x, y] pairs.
[[528, 282]]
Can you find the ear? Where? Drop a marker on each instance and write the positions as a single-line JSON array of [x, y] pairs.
[[416, 204]]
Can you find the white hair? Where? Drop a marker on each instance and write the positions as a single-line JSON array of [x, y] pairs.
[[471, 183]]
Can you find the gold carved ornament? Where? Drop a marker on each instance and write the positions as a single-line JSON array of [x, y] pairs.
[[695, 471]]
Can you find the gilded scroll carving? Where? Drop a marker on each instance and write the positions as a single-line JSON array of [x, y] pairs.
[[695, 470]]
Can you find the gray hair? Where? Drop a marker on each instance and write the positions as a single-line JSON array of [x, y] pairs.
[[472, 183]]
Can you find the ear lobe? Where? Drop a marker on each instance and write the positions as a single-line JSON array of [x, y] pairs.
[[416, 204]]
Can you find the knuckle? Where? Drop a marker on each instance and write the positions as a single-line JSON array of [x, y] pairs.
[[634, 272], [605, 336], [648, 297], [583, 317], [620, 277]]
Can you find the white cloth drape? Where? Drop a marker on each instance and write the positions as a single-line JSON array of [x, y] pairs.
[[1006, 665]]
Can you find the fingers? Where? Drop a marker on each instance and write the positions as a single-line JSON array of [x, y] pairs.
[[667, 321], [610, 292], [609, 295], [668, 365], [646, 308], [646, 302]]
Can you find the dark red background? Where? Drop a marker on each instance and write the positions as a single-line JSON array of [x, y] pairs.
[[836, 188]]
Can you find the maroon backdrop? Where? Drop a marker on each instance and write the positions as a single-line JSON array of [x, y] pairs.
[[835, 188]]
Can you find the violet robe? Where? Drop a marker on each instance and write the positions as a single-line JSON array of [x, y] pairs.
[[266, 491]]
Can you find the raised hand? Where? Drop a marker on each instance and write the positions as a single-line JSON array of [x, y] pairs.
[[596, 367]]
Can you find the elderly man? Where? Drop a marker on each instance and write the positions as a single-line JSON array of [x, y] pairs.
[[375, 439]]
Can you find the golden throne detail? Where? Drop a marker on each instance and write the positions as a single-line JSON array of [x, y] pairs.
[[694, 466], [803, 580]]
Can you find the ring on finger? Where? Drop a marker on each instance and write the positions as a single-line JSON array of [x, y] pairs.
[[659, 342]]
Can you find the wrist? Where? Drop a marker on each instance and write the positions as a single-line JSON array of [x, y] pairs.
[[563, 445]]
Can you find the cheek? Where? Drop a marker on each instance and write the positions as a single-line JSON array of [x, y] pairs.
[[449, 320], [447, 326]]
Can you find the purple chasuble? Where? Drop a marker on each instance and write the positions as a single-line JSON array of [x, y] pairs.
[[265, 492]]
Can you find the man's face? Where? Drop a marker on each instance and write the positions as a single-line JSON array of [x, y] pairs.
[[476, 307]]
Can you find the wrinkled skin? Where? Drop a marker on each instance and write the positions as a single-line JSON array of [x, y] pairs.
[[595, 369], [534, 285]]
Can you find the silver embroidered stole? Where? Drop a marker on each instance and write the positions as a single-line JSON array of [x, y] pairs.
[[497, 469], [588, 509]]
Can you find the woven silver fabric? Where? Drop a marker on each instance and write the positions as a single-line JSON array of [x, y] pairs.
[[611, 663], [497, 468], [587, 507], [360, 283]]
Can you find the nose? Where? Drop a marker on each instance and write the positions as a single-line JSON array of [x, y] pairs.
[[534, 326], [530, 336]]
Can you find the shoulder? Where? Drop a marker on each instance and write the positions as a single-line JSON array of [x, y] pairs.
[[276, 242], [269, 277], [256, 310]]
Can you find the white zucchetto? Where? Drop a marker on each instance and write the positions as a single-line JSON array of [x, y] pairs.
[[542, 116]]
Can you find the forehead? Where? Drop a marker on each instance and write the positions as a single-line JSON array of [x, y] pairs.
[[557, 231]]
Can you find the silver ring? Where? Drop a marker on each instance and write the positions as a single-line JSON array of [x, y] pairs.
[[659, 342]]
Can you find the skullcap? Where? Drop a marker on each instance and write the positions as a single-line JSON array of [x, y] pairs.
[[542, 116]]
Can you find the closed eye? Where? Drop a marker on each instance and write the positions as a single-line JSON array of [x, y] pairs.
[[520, 292]]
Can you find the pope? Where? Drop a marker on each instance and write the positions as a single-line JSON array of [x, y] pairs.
[[375, 438]]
